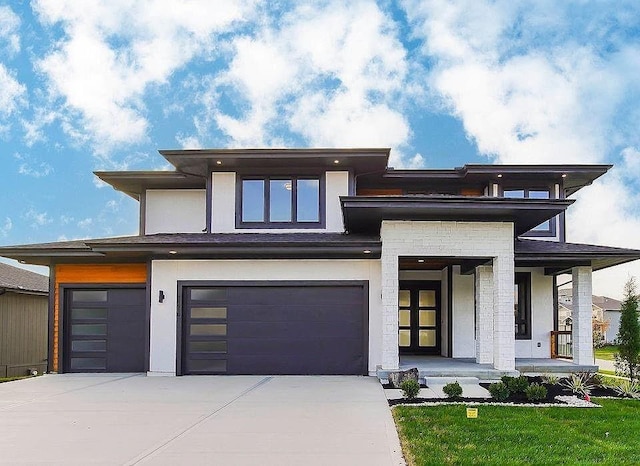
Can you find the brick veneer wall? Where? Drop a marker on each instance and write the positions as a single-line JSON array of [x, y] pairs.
[[582, 337], [493, 240]]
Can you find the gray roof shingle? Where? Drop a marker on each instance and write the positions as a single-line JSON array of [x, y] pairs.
[[14, 278]]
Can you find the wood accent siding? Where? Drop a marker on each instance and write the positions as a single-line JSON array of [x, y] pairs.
[[23, 333], [89, 273], [378, 192], [472, 191]]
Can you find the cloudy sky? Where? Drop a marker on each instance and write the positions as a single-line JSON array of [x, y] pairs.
[[87, 85]]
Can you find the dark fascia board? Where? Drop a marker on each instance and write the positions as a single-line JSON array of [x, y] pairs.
[[575, 176], [134, 183], [202, 161], [365, 213]]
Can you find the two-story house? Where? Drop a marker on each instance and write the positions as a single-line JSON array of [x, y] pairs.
[[321, 261]]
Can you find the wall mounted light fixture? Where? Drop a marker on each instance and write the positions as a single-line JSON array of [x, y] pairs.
[[161, 296]]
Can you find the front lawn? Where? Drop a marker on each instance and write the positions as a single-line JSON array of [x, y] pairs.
[[11, 379], [514, 435], [606, 352]]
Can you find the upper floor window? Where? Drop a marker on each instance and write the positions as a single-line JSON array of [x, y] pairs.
[[280, 202], [546, 228]]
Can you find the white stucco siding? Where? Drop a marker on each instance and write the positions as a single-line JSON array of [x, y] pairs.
[[165, 275], [541, 316], [223, 204], [464, 344], [175, 211]]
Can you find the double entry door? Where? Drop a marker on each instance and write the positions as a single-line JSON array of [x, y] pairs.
[[419, 317]]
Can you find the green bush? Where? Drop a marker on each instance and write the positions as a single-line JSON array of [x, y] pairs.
[[536, 392], [410, 389], [579, 383], [550, 379], [499, 391], [452, 390], [516, 384]]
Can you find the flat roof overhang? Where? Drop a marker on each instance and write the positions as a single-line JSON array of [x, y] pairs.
[[134, 183], [366, 213], [202, 246], [200, 162], [559, 258]]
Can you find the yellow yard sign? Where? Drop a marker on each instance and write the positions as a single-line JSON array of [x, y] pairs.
[[472, 413]]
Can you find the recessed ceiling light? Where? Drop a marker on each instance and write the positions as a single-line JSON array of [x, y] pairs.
[[173, 252], [420, 260], [499, 175], [218, 162], [336, 162], [367, 251], [564, 175]]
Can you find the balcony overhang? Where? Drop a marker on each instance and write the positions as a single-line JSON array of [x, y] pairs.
[[366, 213]]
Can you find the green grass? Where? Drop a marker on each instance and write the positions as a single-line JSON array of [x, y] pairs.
[[11, 379], [508, 435], [606, 352]]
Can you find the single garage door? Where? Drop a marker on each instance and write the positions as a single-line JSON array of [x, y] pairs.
[[275, 328], [105, 330]]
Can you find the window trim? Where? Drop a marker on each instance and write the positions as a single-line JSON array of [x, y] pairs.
[[524, 278], [552, 231], [294, 224]]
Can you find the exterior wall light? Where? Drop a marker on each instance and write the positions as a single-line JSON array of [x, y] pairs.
[[160, 296]]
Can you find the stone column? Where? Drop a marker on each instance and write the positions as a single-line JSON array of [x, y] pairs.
[[390, 357], [504, 340], [582, 335], [484, 314]]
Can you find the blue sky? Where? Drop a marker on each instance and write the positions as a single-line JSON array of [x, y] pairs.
[[88, 85]]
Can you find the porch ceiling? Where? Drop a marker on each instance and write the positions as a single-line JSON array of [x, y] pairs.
[[366, 213]]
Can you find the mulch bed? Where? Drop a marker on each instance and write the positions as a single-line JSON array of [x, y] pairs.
[[517, 398]]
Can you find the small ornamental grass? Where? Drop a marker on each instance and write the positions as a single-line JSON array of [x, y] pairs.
[[536, 392], [410, 389], [628, 388], [550, 379], [579, 383], [499, 391], [452, 390]]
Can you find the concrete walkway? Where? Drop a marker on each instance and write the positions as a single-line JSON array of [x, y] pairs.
[[240, 420]]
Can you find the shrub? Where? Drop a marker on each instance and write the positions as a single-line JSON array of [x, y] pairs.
[[579, 383], [628, 388], [410, 389], [517, 384], [550, 379], [499, 391], [536, 392], [452, 390]]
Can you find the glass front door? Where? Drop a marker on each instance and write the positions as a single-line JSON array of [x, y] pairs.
[[419, 317]]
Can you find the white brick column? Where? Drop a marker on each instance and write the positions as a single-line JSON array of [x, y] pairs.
[[504, 340], [582, 336], [484, 314], [390, 355]]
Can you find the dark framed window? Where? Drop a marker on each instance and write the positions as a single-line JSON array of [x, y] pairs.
[[522, 305], [547, 228], [280, 202]]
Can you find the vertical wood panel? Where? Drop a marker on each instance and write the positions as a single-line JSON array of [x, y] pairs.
[[90, 273]]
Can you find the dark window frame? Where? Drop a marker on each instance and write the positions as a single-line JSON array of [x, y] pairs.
[[523, 281], [294, 223], [551, 232]]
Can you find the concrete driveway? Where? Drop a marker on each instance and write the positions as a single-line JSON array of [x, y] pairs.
[[134, 419]]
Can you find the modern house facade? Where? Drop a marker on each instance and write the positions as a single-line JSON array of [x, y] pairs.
[[322, 261], [23, 321]]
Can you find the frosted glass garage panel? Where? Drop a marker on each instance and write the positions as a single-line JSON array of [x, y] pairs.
[[175, 211]]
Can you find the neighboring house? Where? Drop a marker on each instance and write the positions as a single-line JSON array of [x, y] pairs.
[[322, 261], [24, 306], [604, 310]]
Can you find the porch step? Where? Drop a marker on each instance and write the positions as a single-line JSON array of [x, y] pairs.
[[470, 388], [452, 374]]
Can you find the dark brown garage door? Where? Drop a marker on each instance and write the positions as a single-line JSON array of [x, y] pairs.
[[275, 328], [105, 330]]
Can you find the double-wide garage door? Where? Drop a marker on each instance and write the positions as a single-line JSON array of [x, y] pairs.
[[105, 330], [274, 328]]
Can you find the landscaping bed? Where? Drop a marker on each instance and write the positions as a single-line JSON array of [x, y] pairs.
[[547, 390]]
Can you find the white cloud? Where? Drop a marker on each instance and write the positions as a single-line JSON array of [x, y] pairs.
[[36, 218], [546, 82], [112, 52], [31, 167], [9, 29], [11, 92], [329, 74], [85, 223], [6, 227]]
